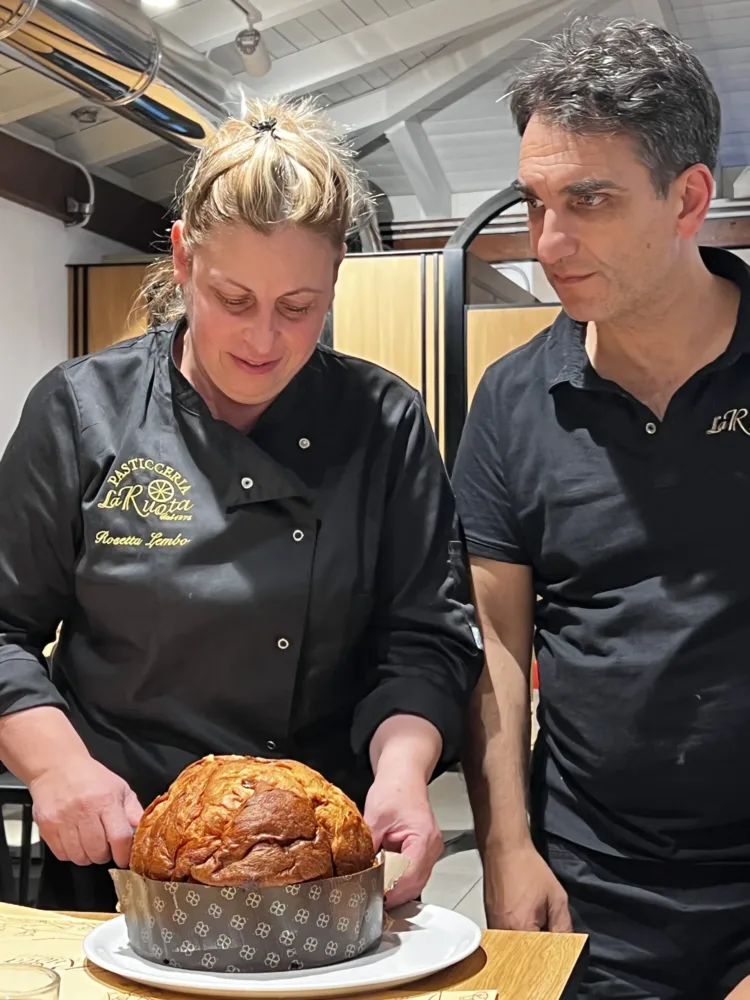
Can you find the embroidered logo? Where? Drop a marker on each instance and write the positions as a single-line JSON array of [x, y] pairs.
[[161, 493], [732, 420]]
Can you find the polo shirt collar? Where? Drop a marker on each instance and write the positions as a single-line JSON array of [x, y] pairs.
[[566, 359]]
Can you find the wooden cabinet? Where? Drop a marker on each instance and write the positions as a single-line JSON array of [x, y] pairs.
[[491, 333], [104, 306], [389, 309]]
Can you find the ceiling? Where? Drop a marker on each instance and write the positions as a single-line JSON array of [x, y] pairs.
[[419, 83]]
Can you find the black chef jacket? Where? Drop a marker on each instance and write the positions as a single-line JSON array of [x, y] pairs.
[[636, 530], [278, 593]]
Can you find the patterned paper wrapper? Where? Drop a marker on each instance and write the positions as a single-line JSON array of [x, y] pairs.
[[188, 926]]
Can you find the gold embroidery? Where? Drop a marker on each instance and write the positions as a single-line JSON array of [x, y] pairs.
[[104, 538], [158, 539], [162, 495], [166, 471], [732, 420]]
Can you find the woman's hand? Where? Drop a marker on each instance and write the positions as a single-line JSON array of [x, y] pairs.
[[404, 752], [85, 813], [401, 819]]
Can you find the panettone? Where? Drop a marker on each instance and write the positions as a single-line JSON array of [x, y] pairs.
[[241, 821]]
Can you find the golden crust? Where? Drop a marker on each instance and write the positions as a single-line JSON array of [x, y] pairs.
[[239, 821]]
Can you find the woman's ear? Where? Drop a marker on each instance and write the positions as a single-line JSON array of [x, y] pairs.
[[339, 259], [180, 256]]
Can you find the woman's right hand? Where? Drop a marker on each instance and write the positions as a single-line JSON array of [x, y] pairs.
[[85, 813]]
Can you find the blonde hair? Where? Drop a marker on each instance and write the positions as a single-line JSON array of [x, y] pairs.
[[282, 163]]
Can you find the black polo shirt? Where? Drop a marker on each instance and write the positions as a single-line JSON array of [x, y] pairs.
[[638, 534], [279, 593]]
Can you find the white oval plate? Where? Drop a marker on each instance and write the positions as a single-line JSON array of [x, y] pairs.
[[422, 940]]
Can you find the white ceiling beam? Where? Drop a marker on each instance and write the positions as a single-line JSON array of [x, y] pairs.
[[741, 187], [208, 24], [102, 145], [358, 51], [658, 12], [25, 92], [422, 168], [369, 116]]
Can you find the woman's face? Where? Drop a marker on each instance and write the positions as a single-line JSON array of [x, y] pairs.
[[255, 305]]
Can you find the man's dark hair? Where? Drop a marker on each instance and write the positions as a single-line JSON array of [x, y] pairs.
[[630, 78]]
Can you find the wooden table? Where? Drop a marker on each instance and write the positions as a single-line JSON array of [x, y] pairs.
[[519, 966]]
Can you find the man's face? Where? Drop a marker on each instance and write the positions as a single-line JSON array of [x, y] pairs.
[[605, 238]]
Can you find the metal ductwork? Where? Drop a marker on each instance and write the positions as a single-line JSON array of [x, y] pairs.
[[111, 53]]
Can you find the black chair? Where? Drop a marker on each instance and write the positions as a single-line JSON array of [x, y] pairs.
[[14, 793]]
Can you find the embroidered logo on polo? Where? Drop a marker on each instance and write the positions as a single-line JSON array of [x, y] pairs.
[[152, 491], [732, 420]]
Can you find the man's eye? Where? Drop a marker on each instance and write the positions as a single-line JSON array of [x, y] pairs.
[[591, 200]]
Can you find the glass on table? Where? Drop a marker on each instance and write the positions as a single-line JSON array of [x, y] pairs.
[[28, 982]]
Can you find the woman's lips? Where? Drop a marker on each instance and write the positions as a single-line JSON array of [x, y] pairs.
[[255, 369]]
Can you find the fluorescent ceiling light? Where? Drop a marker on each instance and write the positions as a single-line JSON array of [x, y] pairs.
[[159, 5]]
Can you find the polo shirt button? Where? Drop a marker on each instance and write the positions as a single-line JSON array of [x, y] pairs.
[[651, 427], [304, 443], [247, 483], [298, 535], [283, 644], [270, 745]]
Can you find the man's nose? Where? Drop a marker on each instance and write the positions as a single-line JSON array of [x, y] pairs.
[[553, 243]]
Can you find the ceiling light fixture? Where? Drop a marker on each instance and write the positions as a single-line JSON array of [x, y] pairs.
[[159, 6], [256, 59], [87, 114]]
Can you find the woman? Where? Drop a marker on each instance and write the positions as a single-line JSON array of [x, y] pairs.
[[248, 538]]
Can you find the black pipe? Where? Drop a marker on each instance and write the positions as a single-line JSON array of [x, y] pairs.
[[454, 314]]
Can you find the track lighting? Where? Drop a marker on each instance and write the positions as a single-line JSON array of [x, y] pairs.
[[250, 45]]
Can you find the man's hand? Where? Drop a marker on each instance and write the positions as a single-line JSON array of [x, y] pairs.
[[85, 813], [522, 894], [401, 819]]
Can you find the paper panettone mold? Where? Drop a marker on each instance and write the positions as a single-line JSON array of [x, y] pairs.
[[268, 929]]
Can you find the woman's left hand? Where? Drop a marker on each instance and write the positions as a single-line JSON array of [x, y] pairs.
[[401, 819], [403, 754]]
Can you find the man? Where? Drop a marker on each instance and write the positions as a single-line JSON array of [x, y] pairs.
[[604, 486]]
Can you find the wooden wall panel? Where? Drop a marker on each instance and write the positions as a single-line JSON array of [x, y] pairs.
[[378, 314], [491, 333], [433, 316], [112, 294]]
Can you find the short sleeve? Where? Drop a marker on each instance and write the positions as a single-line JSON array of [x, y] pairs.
[[485, 504]]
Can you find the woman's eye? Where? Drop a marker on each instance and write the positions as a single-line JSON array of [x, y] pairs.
[[233, 303], [533, 204], [297, 310]]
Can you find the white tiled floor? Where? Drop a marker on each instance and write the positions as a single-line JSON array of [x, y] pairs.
[[456, 881]]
